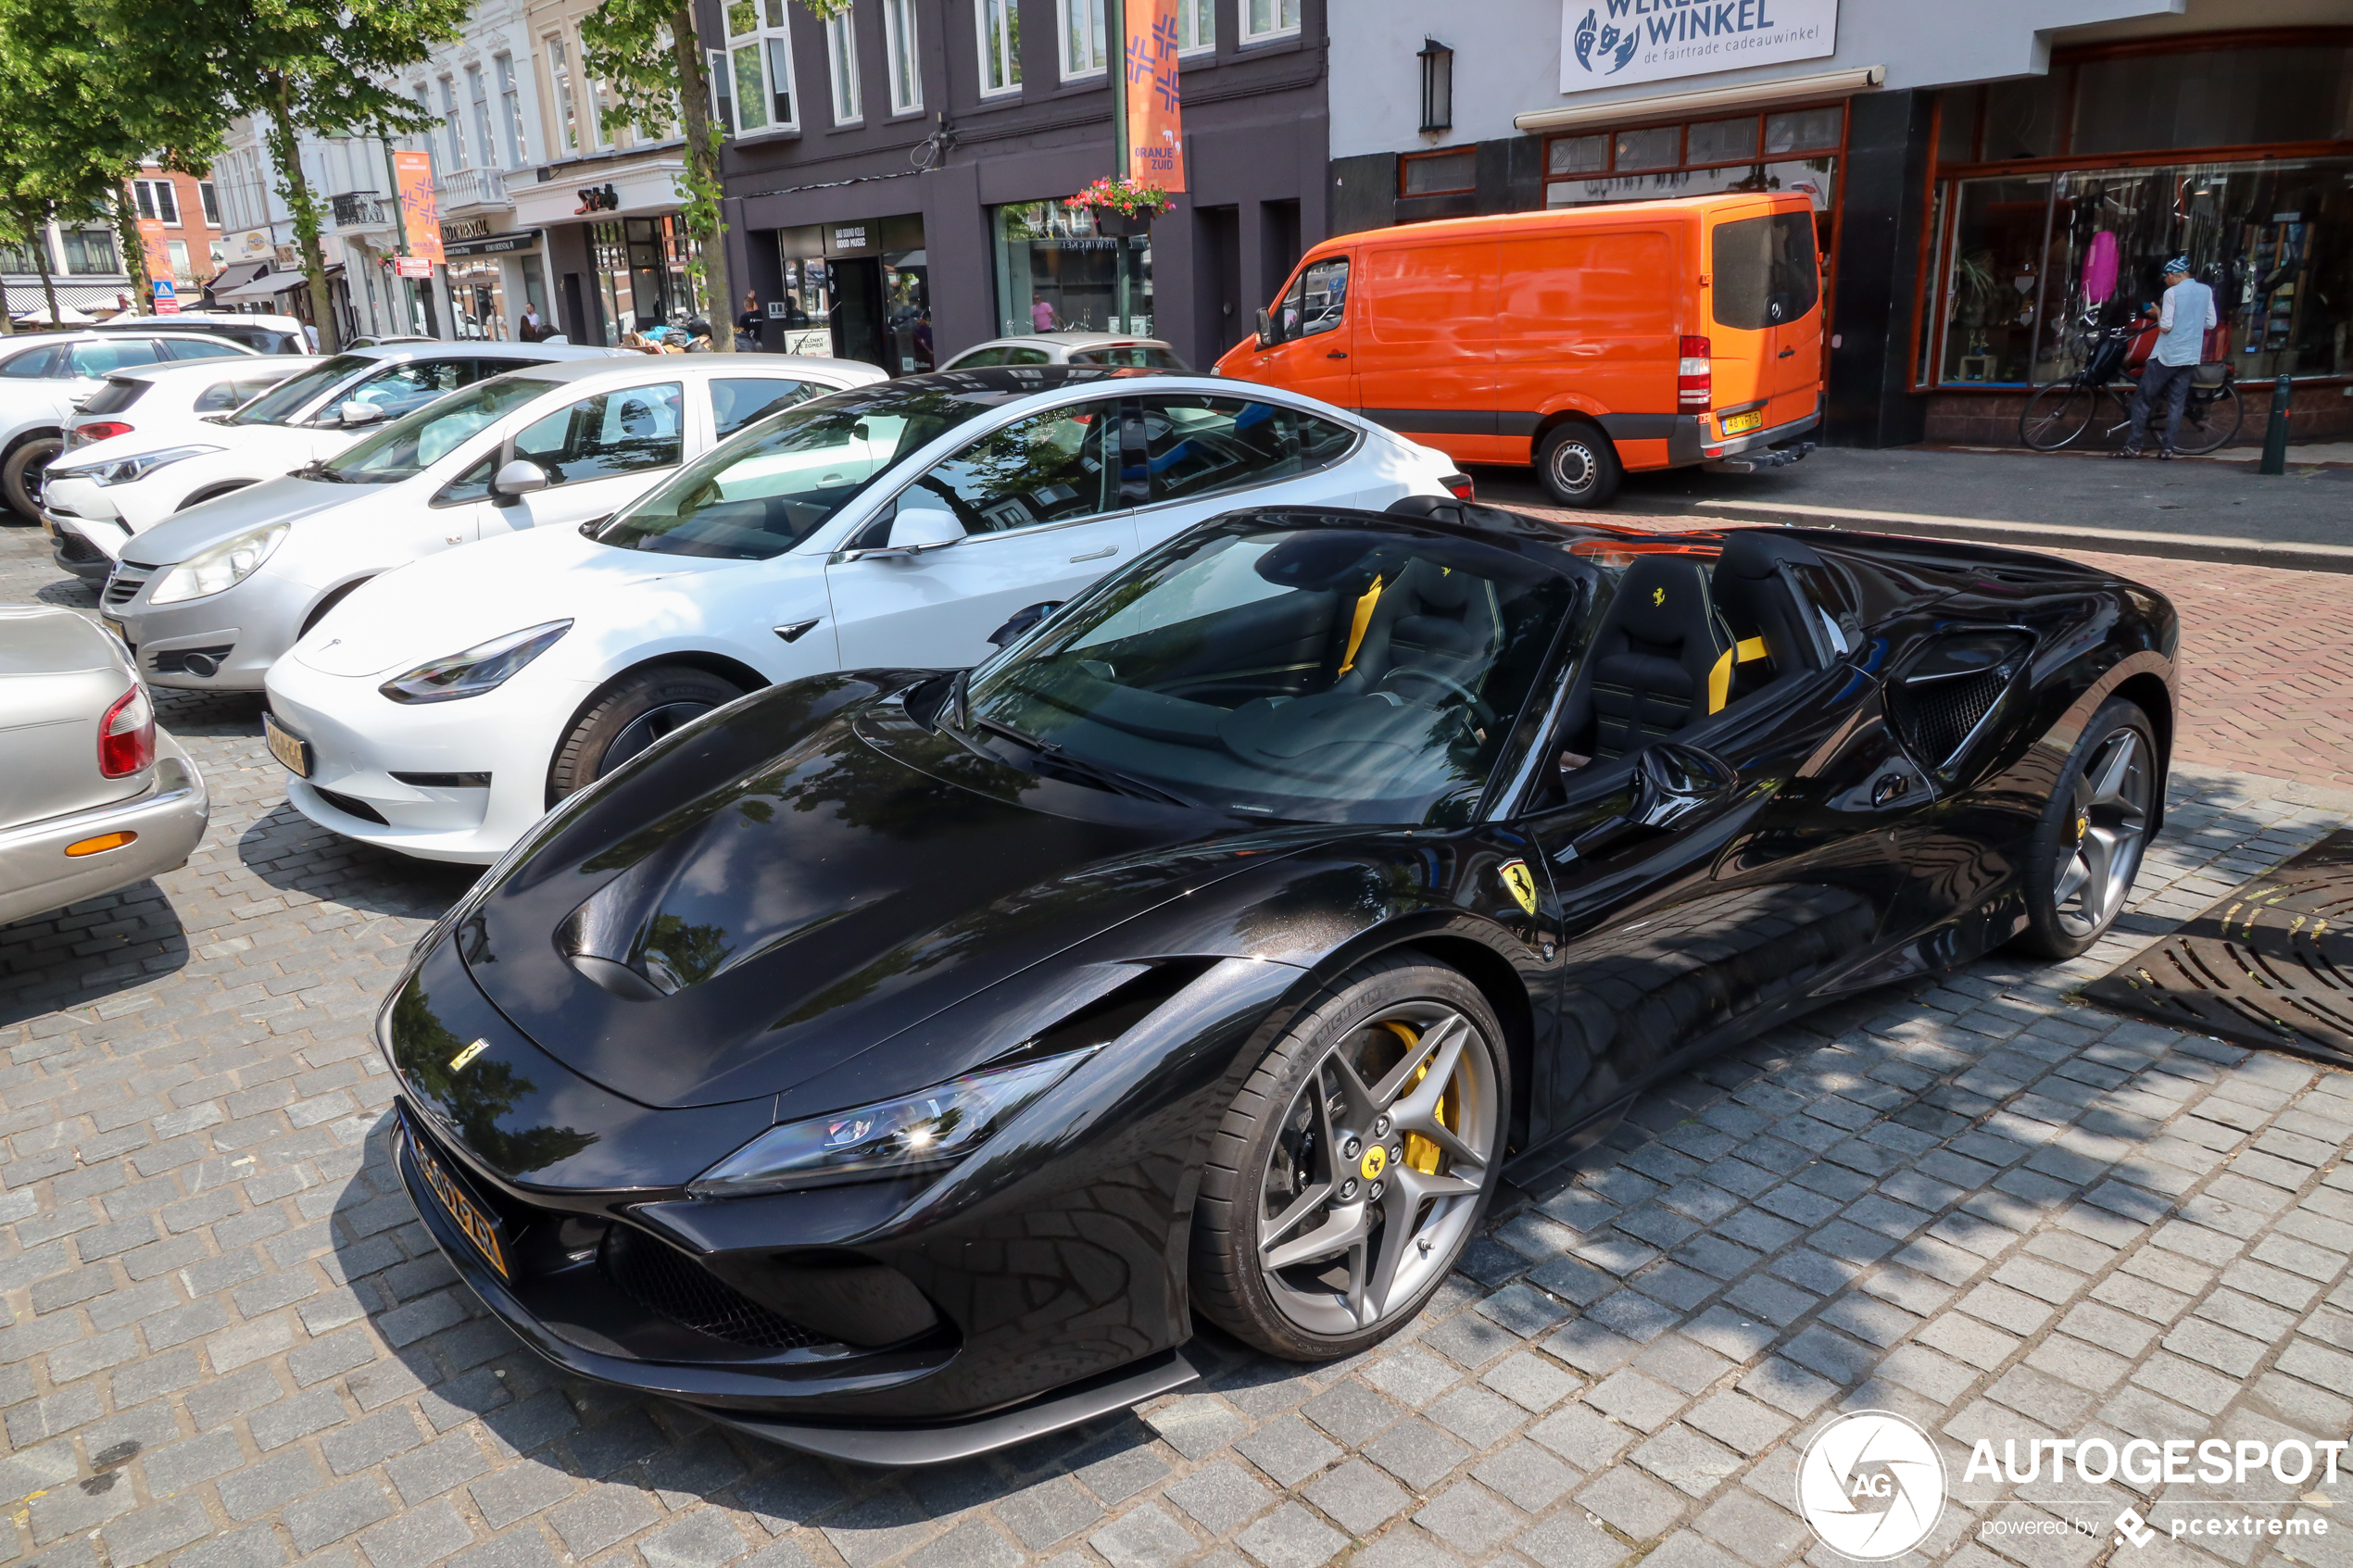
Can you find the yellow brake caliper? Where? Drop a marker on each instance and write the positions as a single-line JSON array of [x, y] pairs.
[[1420, 1152]]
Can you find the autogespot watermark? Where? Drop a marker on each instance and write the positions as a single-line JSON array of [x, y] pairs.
[[1872, 1485]]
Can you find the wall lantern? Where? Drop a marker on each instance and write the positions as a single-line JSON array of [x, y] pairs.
[[1438, 85]]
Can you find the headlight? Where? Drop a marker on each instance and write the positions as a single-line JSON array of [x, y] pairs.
[[122, 470], [478, 668], [922, 1131], [220, 569]]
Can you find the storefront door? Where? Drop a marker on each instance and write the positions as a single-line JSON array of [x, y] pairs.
[[857, 310]]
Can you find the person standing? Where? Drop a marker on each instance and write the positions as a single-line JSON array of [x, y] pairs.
[[2181, 326], [748, 324]]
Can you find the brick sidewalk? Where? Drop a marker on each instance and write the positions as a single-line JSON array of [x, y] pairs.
[[1981, 1204]]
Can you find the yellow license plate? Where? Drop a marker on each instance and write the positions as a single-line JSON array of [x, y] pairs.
[[116, 627], [49, 528], [285, 745], [480, 1228], [1740, 424]]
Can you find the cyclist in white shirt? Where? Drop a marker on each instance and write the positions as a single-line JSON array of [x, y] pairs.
[[2182, 327]]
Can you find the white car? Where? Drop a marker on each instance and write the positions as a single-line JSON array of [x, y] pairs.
[[264, 333], [211, 596], [1071, 349], [107, 493], [166, 407], [443, 708], [43, 375]]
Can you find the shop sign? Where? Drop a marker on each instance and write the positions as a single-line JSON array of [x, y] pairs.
[[849, 236], [413, 265], [1615, 43], [251, 246], [464, 229], [498, 244]]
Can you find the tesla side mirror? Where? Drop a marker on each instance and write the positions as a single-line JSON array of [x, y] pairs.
[[1017, 624], [916, 529], [1265, 324], [353, 415], [517, 479]]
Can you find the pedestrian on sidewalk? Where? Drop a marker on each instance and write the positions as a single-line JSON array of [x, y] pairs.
[[2182, 327]]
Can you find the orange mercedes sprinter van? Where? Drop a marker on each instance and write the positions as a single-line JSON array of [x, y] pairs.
[[1587, 340]]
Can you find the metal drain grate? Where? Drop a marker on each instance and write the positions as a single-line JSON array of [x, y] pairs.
[[2271, 964]]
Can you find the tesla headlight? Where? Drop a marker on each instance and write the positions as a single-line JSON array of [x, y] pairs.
[[479, 668], [925, 1131], [123, 471], [219, 569]]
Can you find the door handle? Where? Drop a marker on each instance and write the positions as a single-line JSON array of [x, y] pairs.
[[1097, 555], [1336, 353], [1890, 788], [1785, 352]]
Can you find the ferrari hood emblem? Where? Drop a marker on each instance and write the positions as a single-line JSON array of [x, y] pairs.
[[458, 1061], [1521, 881]]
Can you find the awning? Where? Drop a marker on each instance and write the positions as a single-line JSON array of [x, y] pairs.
[[235, 275], [267, 286], [1828, 84]]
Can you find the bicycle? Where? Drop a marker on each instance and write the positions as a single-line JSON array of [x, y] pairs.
[[2060, 411]]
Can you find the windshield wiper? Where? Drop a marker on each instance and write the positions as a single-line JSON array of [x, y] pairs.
[[1070, 761]]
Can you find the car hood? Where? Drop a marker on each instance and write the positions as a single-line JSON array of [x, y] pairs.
[[286, 499], [451, 601], [769, 894]]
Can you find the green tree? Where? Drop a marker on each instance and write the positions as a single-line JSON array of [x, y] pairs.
[[649, 57], [297, 66]]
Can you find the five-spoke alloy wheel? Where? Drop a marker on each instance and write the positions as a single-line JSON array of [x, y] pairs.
[[2088, 845]]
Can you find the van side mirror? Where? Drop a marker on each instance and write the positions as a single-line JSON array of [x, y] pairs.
[[517, 479], [353, 415], [1265, 328]]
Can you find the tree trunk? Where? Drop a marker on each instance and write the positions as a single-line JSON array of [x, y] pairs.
[[48, 283], [703, 191], [134, 257], [296, 187]]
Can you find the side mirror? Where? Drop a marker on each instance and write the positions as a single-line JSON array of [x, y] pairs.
[[1017, 624], [517, 479], [916, 529], [352, 415], [1265, 324]]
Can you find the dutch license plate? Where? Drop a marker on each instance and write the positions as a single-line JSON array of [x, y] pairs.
[[469, 1216], [285, 745], [1740, 424], [116, 627], [49, 528]]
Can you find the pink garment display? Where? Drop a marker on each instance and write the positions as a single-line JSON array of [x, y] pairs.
[[2099, 269]]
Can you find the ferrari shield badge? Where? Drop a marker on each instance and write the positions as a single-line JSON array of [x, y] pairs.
[[1521, 881]]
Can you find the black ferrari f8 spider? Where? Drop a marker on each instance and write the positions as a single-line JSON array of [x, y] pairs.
[[896, 1063]]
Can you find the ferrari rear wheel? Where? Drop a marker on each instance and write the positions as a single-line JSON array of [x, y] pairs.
[[1354, 1165], [629, 716], [2087, 848]]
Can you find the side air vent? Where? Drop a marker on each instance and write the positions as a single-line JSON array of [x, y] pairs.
[[669, 1284], [1944, 699]]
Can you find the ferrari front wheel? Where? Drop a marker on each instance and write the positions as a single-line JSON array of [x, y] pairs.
[[1356, 1163], [2087, 848]]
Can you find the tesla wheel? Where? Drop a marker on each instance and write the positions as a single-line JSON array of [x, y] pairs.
[[627, 717], [2211, 424], [1355, 1164], [21, 479], [2088, 845], [1578, 465], [2054, 416]]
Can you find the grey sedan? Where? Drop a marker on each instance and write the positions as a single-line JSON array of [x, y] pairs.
[[94, 797]]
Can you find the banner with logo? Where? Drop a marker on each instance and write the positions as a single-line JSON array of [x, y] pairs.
[[1613, 43], [419, 209], [1155, 128], [155, 248]]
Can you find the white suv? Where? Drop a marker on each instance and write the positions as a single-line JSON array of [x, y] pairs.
[[43, 376]]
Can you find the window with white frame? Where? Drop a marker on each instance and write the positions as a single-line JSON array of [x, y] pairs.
[[758, 89], [1263, 19], [429, 143], [599, 135], [478, 101], [842, 59], [1085, 43], [898, 43], [453, 128], [567, 106], [1196, 27], [157, 200], [177, 251], [510, 101], [211, 199], [1000, 45]]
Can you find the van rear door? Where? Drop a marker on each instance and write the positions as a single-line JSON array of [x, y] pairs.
[[1426, 343], [1766, 323]]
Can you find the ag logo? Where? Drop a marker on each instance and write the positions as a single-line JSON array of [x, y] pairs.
[[1521, 881], [1871, 1484]]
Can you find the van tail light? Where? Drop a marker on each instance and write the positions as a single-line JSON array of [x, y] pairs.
[[1695, 382], [1459, 487], [127, 735], [95, 431]]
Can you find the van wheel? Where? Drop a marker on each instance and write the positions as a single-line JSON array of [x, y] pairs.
[[20, 480], [1578, 465]]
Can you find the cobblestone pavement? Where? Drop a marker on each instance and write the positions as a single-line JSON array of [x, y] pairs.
[[1981, 1204]]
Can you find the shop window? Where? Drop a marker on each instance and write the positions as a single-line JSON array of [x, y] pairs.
[[1723, 141], [1054, 274], [613, 432], [898, 43], [1196, 27], [841, 60], [1657, 148], [2227, 97], [1085, 48], [1000, 45], [1263, 19], [1436, 174], [760, 78], [1801, 131], [645, 273], [1578, 154]]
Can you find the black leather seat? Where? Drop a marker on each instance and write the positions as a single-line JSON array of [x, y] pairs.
[[1757, 594], [1431, 622], [1661, 659]]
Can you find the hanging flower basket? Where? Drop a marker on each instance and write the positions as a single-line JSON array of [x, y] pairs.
[[1121, 209]]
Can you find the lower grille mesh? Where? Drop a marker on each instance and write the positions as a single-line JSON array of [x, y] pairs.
[[664, 1281]]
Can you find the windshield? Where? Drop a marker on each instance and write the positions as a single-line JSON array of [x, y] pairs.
[[775, 483], [1322, 674], [289, 396], [414, 442]]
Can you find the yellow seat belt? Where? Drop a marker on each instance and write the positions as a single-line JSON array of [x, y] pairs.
[[1719, 680], [1356, 628]]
